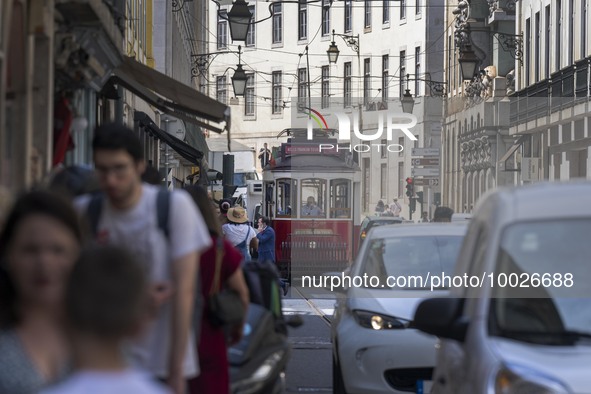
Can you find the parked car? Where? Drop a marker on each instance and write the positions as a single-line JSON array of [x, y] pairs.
[[528, 328], [375, 350], [374, 221], [461, 217]]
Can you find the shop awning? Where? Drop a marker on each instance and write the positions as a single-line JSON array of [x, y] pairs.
[[182, 148], [221, 145], [510, 152], [170, 95]]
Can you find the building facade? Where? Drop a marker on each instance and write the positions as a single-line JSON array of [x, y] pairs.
[[385, 48]]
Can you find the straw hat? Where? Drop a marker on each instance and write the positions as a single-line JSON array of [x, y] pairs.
[[237, 215]]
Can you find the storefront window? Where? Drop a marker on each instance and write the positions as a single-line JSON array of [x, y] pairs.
[[286, 197], [340, 198], [313, 198]]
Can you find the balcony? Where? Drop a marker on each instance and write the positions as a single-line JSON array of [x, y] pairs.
[[563, 89]]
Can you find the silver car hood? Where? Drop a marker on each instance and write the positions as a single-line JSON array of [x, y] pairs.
[[568, 364], [397, 303]]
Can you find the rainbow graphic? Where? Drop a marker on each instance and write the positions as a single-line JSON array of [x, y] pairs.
[[317, 116]]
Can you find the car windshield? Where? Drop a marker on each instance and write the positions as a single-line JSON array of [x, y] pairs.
[[547, 270], [377, 223], [420, 257]]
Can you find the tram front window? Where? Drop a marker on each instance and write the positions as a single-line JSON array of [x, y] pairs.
[[286, 197], [340, 198], [313, 198]]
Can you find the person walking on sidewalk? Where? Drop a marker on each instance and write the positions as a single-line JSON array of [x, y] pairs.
[[239, 233], [166, 232]]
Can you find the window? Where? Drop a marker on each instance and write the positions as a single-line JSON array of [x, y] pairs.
[[402, 9], [249, 107], [286, 197], [401, 178], [366, 80], [402, 68], [222, 29], [277, 23], [340, 198], [221, 89], [385, 77], [449, 63], [527, 50], [250, 36], [313, 197], [347, 85], [302, 89], [384, 181], [583, 35], [384, 149], [386, 11], [418, 7], [325, 17], [302, 20], [367, 10], [417, 71], [401, 153], [276, 98], [571, 32], [558, 35], [348, 15], [537, 28], [547, 43], [325, 87]]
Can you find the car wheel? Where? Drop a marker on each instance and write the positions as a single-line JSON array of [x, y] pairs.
[[338, 386]]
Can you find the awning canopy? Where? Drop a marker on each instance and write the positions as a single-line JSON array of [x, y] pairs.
[[183, 149], [170, 95], [221, 145], [510, 152]]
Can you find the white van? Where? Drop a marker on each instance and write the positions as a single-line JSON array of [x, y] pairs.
[[523, 322]]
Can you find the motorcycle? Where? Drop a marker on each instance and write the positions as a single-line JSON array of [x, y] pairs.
[[258, 361]]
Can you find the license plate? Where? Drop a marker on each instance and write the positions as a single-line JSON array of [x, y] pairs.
[[424, 386]]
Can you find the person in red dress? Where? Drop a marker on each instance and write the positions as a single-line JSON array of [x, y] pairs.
[[212, 343]]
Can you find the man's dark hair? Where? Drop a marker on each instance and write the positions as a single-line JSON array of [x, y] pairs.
[[442, 214], [107, 293], [115, 136], [266, 220], [152, 176]]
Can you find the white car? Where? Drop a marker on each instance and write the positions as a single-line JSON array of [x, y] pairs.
[[526, 328], [374, 349]]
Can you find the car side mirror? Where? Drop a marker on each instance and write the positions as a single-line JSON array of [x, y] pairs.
[[441, 317]]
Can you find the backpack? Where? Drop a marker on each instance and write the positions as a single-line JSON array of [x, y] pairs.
[[95, 207], [262, 279]]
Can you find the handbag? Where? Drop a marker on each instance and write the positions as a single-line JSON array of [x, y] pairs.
[[225, 305]]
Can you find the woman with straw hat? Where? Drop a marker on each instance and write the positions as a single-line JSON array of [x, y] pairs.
[[239, 233]]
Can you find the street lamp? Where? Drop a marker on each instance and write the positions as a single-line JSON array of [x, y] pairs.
[[408, 102], [239, 78], [333, 50], [239, 81], [239, 19], [468, 63]]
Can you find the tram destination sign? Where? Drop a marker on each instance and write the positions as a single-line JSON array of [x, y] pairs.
[[309, 149]]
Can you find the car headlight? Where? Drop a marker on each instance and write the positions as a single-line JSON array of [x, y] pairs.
[[522, 380], [377, 321]]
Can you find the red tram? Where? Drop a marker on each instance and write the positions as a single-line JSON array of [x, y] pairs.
[[312, 192]]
